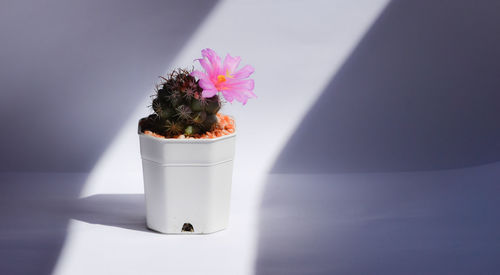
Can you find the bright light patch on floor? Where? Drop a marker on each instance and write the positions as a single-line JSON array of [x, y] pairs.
[[296, 47]]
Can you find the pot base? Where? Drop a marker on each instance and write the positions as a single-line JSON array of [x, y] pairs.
[[187, 199], [183, 233]]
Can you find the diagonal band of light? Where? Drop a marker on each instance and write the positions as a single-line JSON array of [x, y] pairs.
[[296, 47]]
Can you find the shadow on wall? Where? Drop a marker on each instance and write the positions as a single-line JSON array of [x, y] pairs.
[[420, 92], [71, 72]]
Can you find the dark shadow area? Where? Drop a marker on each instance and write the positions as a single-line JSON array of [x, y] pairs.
[[34, 213], [362, 186], [118, 210], [35, 210], [439, 222], [419, 92], [72, 71]]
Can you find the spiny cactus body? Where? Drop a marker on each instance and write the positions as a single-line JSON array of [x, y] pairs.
[[179, 107]]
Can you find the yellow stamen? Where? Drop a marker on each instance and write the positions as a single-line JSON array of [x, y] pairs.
[[221, 78]]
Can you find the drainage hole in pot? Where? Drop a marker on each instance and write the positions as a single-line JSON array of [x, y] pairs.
[[187, 227]]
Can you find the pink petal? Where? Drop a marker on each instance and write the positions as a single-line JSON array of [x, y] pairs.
[[206, 84], [199, 74], [235, 87], [208, 93], [235, 94], [245, 95], [241, 98], [231, 63], [214, 59], [244, 72], [228, 96], [247, 84], [240, 95], [206, 66], [248, 93]]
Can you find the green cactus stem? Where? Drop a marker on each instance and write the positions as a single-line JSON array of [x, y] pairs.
[[179, 107]]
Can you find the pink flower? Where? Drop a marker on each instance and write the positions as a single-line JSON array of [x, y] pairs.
[[223, 77]]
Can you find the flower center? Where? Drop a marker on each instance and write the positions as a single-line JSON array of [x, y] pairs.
[[221, 78]]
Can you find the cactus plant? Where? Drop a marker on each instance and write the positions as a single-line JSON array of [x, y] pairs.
[[179, 107], [185, 111]]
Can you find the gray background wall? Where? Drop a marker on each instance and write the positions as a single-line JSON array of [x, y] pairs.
[[420, 92], [71, 71]]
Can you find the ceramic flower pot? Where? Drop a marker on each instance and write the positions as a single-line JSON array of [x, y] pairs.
[[187, 183]]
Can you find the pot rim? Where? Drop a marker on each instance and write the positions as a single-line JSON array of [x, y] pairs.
[[185, 140]]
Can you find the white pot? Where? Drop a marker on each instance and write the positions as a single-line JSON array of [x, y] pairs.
[[187, 183]]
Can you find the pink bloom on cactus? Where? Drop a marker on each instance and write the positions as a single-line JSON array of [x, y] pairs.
[[224, 77]]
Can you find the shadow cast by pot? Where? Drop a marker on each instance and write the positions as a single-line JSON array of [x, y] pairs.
[[118, 210], [35, 210]]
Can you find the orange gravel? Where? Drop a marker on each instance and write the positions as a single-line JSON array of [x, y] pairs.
[[225, 126]]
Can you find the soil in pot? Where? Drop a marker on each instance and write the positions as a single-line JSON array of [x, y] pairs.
[[224, 126]]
